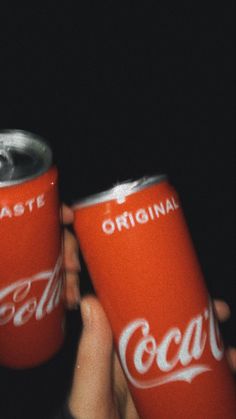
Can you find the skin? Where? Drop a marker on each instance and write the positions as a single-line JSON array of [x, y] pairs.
[[99, 388]]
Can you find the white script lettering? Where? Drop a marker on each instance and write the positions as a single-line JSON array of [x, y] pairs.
[[189, 347], [19, 290]]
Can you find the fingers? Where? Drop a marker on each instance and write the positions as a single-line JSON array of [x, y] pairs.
[[71, 291], [222, 310], [71, 251], [71, 261], [231, 356], [124, 401], [72, 268], [223, 313], [67, 215], [92, 387]]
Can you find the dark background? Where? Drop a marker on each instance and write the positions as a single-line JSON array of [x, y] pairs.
[[122, 92]]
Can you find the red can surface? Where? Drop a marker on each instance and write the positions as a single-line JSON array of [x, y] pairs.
[[31, 276], [144, 268]]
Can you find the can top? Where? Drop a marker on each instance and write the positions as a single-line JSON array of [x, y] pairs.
[[120, 191], [23, 156]]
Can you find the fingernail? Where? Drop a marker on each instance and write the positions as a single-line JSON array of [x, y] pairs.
[[86, 313]]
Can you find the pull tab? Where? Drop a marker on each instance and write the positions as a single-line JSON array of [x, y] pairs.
[[6, 162]]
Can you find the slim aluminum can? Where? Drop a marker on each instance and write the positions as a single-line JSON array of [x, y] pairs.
[[31, 275], [145, 271]]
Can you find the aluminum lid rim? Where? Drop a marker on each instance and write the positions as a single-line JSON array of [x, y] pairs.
[[120, 191], [13, 139]]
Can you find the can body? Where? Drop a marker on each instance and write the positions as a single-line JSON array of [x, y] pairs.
[[31, 276], [145, 271]]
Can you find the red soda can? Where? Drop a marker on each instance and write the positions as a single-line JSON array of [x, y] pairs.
[[145, 271], [31, 275]]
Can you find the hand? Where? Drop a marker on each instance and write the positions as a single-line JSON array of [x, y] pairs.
[[223, 314], [99, 387], [99, 383], [71, 262]]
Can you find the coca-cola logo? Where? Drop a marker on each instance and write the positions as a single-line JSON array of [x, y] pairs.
[[150, 356], [18, 303]]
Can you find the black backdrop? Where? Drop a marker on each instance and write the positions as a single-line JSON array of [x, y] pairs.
[[121, 92]]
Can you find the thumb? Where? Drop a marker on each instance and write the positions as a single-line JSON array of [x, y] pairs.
[[91, 394]]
